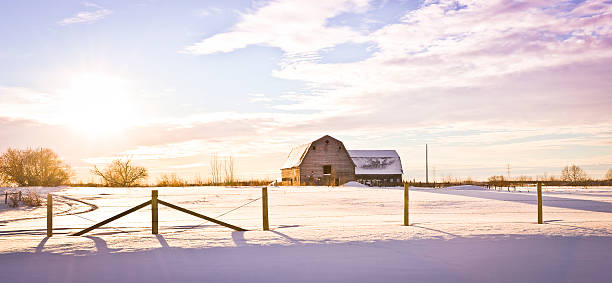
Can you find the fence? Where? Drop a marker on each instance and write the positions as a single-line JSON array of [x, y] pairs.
[[155, 201]]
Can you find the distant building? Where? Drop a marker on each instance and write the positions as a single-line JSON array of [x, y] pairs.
[[326, 162]]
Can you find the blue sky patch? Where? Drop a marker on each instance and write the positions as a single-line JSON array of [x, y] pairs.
[[347, 53]]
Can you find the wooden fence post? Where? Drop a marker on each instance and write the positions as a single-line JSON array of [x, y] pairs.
[[19, 195], [49, 215], [406, 203], [154, 211], [5, 197], [264, 199], [540, 203]]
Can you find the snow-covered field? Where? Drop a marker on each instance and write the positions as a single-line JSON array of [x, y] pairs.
[[460, 234]]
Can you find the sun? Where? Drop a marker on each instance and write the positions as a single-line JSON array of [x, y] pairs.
[[97, 104]]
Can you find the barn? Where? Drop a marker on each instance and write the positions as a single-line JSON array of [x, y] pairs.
[[380, 168], [323, 162], [326, 162]]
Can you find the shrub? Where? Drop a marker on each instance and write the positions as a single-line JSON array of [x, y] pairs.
[[13, 198], [31, 198], [171, 180], [121, 173], [33, 167]]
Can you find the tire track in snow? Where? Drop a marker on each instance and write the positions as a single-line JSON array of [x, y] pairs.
[[71, 207]]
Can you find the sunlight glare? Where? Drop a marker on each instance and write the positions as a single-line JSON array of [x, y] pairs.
[[97, 105]]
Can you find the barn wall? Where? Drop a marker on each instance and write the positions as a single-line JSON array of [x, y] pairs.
[[380, 180], [321, 153], [290, 176]]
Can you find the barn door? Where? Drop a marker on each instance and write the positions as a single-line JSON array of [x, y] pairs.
[[327, 175]]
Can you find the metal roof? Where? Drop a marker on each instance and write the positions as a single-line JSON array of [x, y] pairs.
[[376, 162]]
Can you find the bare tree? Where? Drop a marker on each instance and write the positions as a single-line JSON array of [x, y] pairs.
[[524, 178], [33, 167], [573, 173], [197, 180], [121, 173], [609, 175], [215, 169], [229, 170], [498, 181]]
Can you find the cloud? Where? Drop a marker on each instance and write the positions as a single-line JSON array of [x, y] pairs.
[[209, 11], [259, 97], [504, 73], [87, 16], [25, 103], [294, 26], [441, 44], [434, 47]]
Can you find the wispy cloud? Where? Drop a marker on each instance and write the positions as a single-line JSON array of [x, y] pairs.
[[259, 97], [209, 11], [295, 26], [442, 44], [87, 16]]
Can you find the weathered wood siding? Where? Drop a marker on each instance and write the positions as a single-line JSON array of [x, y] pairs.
[[380, 180], [326, 151], [290, 176]]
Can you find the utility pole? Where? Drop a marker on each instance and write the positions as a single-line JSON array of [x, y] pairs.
[[426, 166], [508, 168]]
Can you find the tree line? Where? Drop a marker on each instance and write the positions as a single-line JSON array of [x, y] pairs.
[[570, 175], [43, 167]]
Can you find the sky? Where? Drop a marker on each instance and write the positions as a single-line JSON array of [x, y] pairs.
[[488, 85]]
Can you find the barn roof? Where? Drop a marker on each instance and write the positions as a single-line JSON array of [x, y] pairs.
[[296, 155], [376, 162]]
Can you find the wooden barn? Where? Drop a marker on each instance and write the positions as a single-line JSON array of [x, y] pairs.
[[379, 168], [326, 162]]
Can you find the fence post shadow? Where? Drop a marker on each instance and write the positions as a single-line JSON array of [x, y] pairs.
[[162, 241], [41, 245], [435, 230], [238, 238], [101, 246], [292, 240]]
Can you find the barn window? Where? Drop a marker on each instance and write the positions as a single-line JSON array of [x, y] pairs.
[[326, 169], [314, 147], [326, 141]]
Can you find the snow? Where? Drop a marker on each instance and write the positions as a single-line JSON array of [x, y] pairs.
[[354, 184], [376, 162], [333, 234], [373, 153], [295, 156], [466, 187]]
